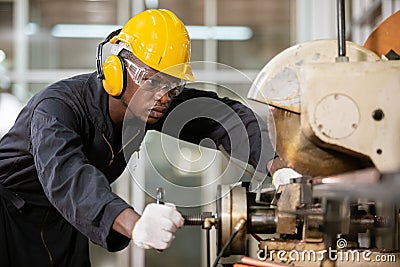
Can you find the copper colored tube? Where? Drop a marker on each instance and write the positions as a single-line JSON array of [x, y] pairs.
[[257, 263]]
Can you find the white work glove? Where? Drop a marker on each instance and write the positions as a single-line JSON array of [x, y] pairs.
[[282, 176], [156, 226]]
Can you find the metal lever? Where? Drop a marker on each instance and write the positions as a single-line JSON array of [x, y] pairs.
[[160, 196], [160, 201]]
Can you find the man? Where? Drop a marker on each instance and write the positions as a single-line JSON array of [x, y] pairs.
[[74, 137]]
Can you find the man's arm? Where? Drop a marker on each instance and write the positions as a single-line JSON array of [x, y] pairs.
[[125, 222], [197, 115]]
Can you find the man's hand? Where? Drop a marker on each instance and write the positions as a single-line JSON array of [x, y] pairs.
[[156, 228], [274, 164]]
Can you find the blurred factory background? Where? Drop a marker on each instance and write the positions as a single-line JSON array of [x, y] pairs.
[[42, 41]]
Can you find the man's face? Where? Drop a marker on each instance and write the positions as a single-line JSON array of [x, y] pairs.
[[150, 93]]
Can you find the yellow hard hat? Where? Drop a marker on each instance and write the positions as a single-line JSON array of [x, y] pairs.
[[159, 39]]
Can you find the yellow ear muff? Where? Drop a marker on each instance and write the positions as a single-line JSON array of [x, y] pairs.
[[114, 81]]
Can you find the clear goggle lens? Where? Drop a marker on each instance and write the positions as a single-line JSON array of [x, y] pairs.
[[157, 82]]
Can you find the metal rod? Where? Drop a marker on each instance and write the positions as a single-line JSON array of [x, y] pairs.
[[160, 201], [160, 195], [208, 247], [341, 27], [239, 225]]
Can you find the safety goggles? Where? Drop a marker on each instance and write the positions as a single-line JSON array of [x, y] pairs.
[[154, 82]]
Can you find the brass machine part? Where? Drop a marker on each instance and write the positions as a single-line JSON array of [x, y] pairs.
[[287, 216], [232, 205], [305, 156], [385, 36], [206, 220], [231, 208]]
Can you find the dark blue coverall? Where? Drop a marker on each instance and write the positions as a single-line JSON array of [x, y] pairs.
[[57, 163]]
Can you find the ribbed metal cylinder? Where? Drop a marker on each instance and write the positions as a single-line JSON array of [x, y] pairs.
[[193, 219]]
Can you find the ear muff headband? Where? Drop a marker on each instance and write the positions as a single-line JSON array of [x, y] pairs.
[[112, 72]]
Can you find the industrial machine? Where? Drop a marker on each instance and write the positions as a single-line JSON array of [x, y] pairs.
[[336, 121]]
